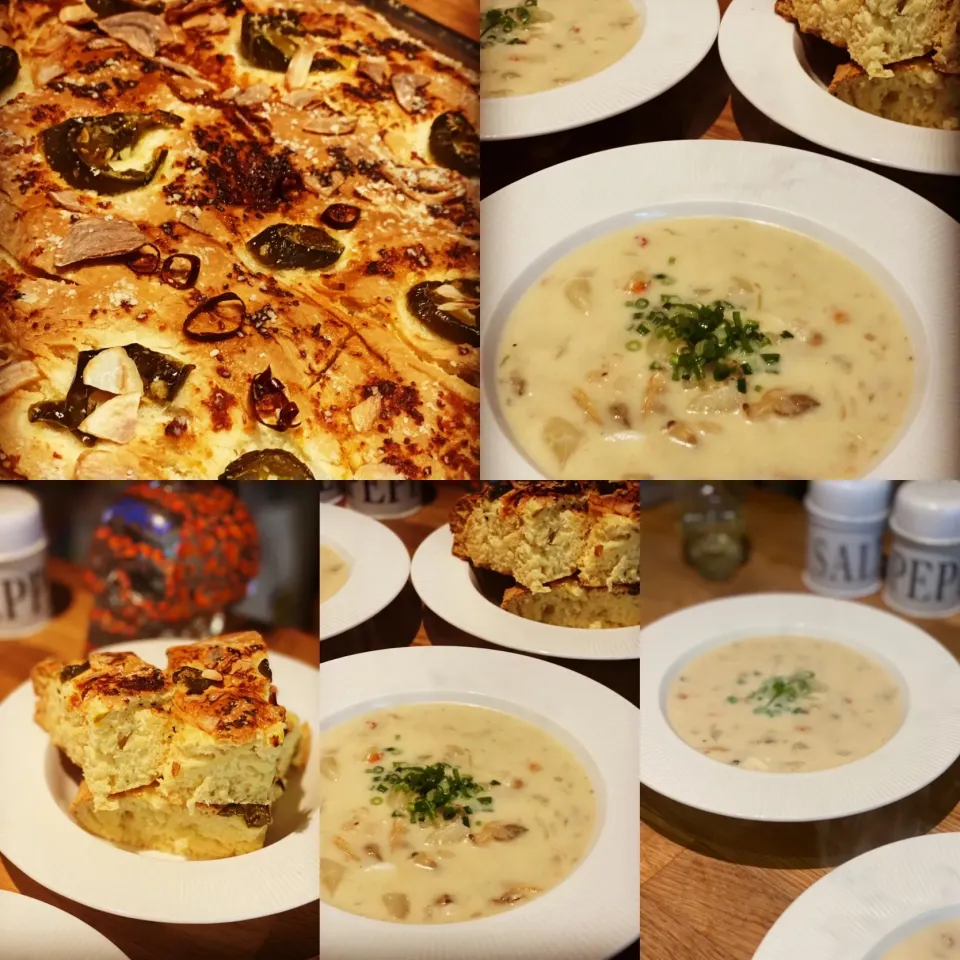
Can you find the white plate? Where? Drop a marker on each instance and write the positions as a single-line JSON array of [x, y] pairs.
[[676, 36], [864, 907], [764, 57], [926, 744], [38, 835], [379, 568], [446, 584], [842, 205], [34, 930], [591, 915]]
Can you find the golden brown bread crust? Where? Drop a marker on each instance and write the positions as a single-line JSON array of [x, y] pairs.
[[567, 603], [226, 716], [378, 393], [108, 676], [878, 36], [537, 532], [915, 93], [595, 497], [144, 820]]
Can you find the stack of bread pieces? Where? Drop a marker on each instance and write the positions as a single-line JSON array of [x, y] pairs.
[[187, 760], [573, 548], [905, 55]]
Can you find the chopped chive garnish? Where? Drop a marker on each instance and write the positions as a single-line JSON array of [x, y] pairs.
[[716, 339], [376, 801], [431, 792]]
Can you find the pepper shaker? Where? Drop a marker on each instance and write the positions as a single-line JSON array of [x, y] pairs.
[[24, 588], [923, 573]]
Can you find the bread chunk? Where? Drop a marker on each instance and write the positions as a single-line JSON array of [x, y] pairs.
[[108, 715], [143, 819], [914, 93], [225, 748], [567, 603], [879, 33], [238, 660], [541, 532]]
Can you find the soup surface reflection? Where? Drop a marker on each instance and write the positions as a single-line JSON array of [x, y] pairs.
[[939, 941], [784, 704], [334, 573], [704, 347], [441, 812], [552, 43]]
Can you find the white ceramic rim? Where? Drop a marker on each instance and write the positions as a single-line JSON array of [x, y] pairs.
[[763, 55], [862, 908], [446, 585], [926, 744], [42, 841], [573, 921], [36, 930], [379, 568], [676, 36], [840, 204]]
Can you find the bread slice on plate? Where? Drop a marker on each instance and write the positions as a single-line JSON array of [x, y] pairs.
[[545, 531], [882, 32], [567, 603], [914, 93], [146, 820], [108, 715]]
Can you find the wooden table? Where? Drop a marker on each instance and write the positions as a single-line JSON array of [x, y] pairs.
[[711, 886], [285, 936], [460, 15], [704, 105]]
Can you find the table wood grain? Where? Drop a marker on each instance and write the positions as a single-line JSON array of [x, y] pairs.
[[711, 887], [460, 15], [286, 936]]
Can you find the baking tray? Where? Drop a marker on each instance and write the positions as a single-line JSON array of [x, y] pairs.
[[430, 33]]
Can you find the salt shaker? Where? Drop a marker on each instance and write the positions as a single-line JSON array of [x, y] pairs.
[[923, 572], [24, 589], [845, 524]]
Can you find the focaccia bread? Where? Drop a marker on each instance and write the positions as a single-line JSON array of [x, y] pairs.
[[109, 716], [914, 93], [537, 532], [236, 660], [145, 819], [228, 735], [879, 33], [237, 238], [568, 603]]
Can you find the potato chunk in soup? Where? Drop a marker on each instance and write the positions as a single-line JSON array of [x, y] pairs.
[[551, 43], [443, 812], [704, 347], [784, 704]]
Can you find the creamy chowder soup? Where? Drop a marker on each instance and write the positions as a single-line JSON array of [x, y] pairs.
[[334, 573], [439, 812], [939, 941], [531, 47], [704, 347], [784, 704]]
